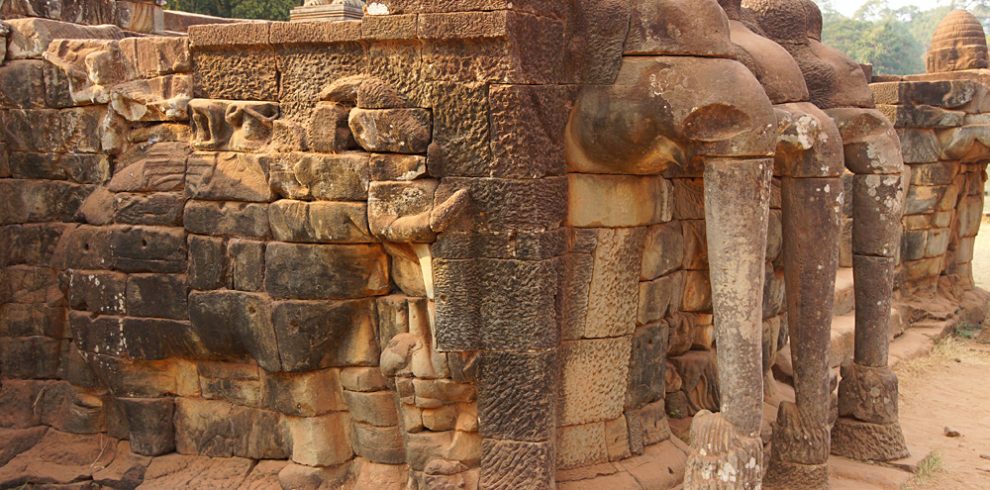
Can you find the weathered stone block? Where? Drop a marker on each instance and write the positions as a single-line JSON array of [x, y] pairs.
[[528, 122], [379, 444], [30, 37], [29, 201], [618, 200], [503, 204], [663, 250], [647, 426], [83, 247], [697, 294], [27, 284], [246, 265], [696, 244], [377, 408], [219, 429], [922, 199], [316, 335], [87, 12], [319, 222], [207, 263], [22, 85], [30, 357], [914, 244], [227, 218], [614, 289], [581, 445], [646, 365], [391, 130], [307, 394], [921, 116], [919, 145], [950, 94], [98, 292], [700, 29], [25, 320], [491, 43], [335, 271], [508, 412], [511, 464], [328, 129], [233, 74], [239, 384], [157, 295], [32, 244], [150, 420], [144, 379], [341, 177], [601, 397], [228, 177], [160, 167], [233, 325], [389, 201], [157, 55], [55, 131], [148, 209], [146, 249], [504, 304], [385, 166], [363, 379], [461, 130], [135, 338], [320, 441]]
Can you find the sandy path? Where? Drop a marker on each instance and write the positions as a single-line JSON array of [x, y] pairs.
[[952, 388], [949, 388]]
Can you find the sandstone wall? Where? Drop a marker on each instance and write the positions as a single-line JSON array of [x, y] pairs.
[[215, 245]]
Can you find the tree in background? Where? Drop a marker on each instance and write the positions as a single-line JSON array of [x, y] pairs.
[[893, 40], [239, 9]]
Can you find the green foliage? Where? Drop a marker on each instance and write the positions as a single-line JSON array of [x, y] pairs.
[[239, 9], [893, 40]]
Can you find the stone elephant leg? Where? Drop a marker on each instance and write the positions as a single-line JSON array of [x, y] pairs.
[[727, 449], [809, 158], [868, 426]]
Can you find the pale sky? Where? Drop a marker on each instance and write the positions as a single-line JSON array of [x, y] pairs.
[[848, 7]]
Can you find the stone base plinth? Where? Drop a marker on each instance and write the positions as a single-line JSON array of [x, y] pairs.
[[326, 13]]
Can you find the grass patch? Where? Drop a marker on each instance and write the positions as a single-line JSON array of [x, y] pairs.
[[928, 469], [968, 330]]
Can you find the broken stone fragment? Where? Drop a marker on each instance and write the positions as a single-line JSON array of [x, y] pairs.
[[163, 98], [232, 125], [328, 129], [392, 130], [30, 37]]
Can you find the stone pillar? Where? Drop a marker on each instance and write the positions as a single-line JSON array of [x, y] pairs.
[[728, 451], [867, 427], [812, 203]]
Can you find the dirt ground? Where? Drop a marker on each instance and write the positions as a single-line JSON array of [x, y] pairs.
[[944, 392]]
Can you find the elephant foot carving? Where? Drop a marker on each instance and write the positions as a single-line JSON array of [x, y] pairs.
[[721, 458], [799, 456], [867, 428]]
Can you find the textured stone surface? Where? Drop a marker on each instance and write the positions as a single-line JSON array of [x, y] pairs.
[[508, 412], [314, 335], [586, 399], [219, 429], [336, 271]]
